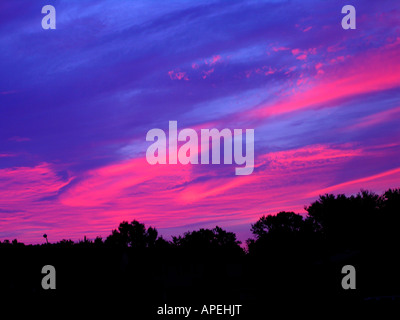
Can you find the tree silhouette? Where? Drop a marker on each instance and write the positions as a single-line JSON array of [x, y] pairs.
[[283, 223], [279, 236], [386, 225], [344, 221], [98, 242], [207, 239], [133, 235]]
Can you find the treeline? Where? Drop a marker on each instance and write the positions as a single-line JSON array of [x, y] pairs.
[[333, 223], [291, 258]]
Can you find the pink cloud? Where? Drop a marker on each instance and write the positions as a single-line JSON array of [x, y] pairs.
[[303, 53], [215, 188], [22, 185], [178, 75], [318, 67], [335, 48], [295, 52], [349, 80], [276, 49], [291, 69], [377, 118], [163, 190], [166, 196], [106, 184], [312, 154], [213, 60], [265, 70], [207, 73], [5, 155]]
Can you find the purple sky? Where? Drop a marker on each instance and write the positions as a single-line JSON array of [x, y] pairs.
[[76, 104]]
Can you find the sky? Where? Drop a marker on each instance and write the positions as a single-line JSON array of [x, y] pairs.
[[76, 104]]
